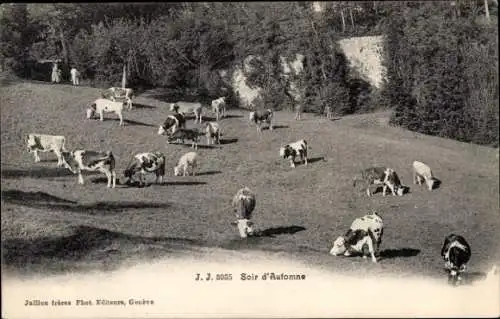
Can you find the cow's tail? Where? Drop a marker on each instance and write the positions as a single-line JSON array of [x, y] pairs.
[[63, 145]]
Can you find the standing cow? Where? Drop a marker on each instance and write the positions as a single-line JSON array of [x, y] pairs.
[[172, 123], [456, 253], [101, 106], [384, 176], [213, 132], [293, 150], [46, 143], [243, 204], [187, 108], [85, 160], [150, 162], [262, 116], [219, 107]]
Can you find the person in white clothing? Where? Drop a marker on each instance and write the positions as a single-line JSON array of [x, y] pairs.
[[75, 76]]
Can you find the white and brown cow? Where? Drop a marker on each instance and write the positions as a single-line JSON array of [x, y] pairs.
[[243, 205], [172, 123], [213, 133], [456, 253], [384, 176], [421, 173], [219, 107], [114, 93], [292, 150], [149, 162], [187, 108], [86, 160], [262, 116], [46, 143], [101, 106], [185, 134], [365, 233]]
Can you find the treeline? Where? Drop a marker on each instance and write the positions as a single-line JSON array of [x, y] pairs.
[[441, 57]]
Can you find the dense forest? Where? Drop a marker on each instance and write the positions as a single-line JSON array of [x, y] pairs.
[[441, 56]]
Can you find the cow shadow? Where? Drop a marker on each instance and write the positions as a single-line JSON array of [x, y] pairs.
[[209, 173], [469, 278], [26, 254], [200, 146], [142, 106], [44, 200], [399, 253], [275, 127], [272, 232], [36, 172], [225, 141], [231, 116], [136, 123], [437, 183], [136, 184], [315, 159]]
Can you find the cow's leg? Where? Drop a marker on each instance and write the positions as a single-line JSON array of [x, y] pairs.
[[108, 177], [121, 118], [59, 158], [292, 162], [371, 250], [80, 178], [305, 157], [270, 125], [37, 158], [368, 191], [415, 178]]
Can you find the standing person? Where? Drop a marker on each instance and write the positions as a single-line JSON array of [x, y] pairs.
[[75, 76], [56, 73]]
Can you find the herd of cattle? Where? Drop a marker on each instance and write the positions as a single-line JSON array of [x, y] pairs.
[[365, 234]]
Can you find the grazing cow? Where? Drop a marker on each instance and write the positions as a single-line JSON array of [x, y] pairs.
[[85, 160], [173, 122], [187, 108], [46, 143], [292, 150], [151, 162], [365, 232], [456, 253], [114, 93], [298, 111], [243, 204], [422, 172], [185, 134], [219, 107], [329, 112], [262, 116], [381, 176], [213, 132], [187, 163], [101, 106]]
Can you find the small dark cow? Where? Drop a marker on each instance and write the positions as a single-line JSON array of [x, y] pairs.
[[293, 150], [243, 204], [151, 162], [213, 133], [185, 134], [262, 116], [365, 232], [456, 253], [381, 176], [173, 122], [84, 160], [46, 143]]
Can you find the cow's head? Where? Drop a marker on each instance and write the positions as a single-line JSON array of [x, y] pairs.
[[244, 227], [286, 151], [91, 110], [161, 130], [339, 246], [393, 181], [430, 183], [33, 143], [69, 161]]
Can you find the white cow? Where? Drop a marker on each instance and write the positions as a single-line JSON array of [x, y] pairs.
[[187, 163], [187, 108], [213, 132], [101, 106], [85, 160], [243, 204], [422, 172], [46, 143], [292, 150], [114, 93], [364, 232], [219, 107]]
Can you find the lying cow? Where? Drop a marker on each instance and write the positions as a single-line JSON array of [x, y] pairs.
[[213, 133], [101, 106], [85, 160], [151, 162], [262, 116], [365, 232], [187, 108], [173, 122], [185, 134], [219, 107], [386, 177], [46, 143], [187, 163], [456, 253], [421, 173], [114, 93], [243, 204], [292, 150]]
